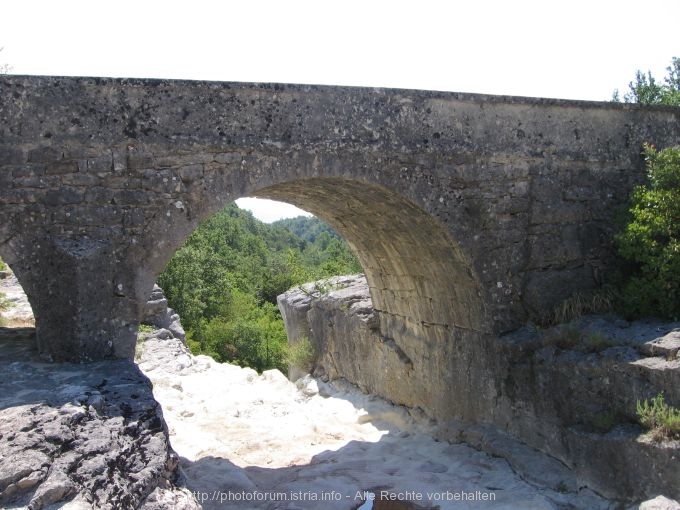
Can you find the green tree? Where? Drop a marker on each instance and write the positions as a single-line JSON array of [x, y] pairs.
[[248, 335], [647, 90], [650, 243], [197, 285]]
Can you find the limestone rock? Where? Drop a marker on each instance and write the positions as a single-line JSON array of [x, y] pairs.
[[84, 435], [660, 503], [568, 391], [157, 314]]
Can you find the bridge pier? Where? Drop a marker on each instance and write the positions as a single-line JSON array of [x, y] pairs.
[[82, 300]]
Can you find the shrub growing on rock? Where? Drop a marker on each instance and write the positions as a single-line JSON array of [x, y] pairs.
[[660, 418], [650, 243]]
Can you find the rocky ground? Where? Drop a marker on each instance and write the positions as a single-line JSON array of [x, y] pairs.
[[240, 433], [92, 435]]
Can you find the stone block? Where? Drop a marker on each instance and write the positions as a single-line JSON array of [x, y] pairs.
[[137, 160], [64, 196], [29, 169], [102, 164], [61, 167], [12, 156], [44, 155], [191, 173]]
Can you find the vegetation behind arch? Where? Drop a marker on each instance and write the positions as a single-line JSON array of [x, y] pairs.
[[224, 280]]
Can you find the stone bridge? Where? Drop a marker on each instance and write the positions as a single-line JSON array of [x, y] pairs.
[[470, 214]]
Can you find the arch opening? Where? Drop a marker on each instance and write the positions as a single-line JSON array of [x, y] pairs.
[[225, 278], [17, 319], [425, 294]]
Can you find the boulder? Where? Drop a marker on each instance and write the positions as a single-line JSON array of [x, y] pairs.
[[87, 435]]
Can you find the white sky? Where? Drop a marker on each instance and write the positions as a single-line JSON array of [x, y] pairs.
[[574, 49]]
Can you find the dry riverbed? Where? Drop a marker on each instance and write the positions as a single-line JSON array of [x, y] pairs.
[[247, 439], [261, 442]]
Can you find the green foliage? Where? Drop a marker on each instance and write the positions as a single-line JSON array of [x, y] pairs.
[[660, 418], [650, 243], [569, 337], [302, 354], [251, 335], [307, 229], [3, 266], [223, 282], [647, 90], [596, 342], [145, 328], [562, 487]]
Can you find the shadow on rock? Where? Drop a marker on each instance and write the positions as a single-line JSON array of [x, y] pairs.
[[91, 433]]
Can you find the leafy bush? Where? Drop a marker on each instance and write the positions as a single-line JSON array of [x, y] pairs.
[[3, 266], [650, 243], [5, 303], [663, 420], [248, 335]]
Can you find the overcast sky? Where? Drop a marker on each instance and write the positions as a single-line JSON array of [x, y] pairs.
[[573, 49]]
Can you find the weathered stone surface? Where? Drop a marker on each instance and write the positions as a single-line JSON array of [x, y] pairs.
[[470, 213], [91, 434], [660, 503], [570, 391]]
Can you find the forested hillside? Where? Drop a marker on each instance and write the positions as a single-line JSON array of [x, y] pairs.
[[224, 281], [306, 228]]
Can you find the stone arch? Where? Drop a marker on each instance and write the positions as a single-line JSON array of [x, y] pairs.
[[417, 273], [429, 301]]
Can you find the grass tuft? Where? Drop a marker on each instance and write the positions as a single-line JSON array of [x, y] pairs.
[[598, 301]]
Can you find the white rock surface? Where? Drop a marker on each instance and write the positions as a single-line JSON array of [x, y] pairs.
[[242, 435]]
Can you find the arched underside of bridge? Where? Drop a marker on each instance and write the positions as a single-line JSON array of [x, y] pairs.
[[415, 270], [424, 289]]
